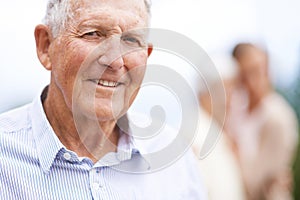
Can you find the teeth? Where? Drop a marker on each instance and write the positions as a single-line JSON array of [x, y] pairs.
[[111, 84], [107, 83]]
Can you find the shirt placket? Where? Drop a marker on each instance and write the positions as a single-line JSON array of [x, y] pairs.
[[97, 184]]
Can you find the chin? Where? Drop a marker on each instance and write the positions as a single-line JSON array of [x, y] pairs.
[[100, 109], [107, 112]]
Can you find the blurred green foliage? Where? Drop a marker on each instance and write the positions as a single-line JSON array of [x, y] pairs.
[[296, 105], [293, 96], [296, 169]]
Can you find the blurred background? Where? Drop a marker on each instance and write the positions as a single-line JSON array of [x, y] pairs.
[[216, 25]]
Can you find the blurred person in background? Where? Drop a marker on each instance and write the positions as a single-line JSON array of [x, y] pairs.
[[263, 126], [220, 169]]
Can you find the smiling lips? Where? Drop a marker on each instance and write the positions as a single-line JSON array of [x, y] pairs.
[[106, 83]]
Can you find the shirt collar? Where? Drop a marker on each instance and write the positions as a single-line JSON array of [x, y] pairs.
[[48, 145], [128, 157]]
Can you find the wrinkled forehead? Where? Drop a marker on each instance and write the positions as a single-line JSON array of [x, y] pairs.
[[133, 12]]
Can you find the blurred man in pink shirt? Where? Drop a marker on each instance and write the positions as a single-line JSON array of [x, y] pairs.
[[263, 127]]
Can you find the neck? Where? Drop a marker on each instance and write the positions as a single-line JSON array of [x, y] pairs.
[[256, 99], [88, 138]]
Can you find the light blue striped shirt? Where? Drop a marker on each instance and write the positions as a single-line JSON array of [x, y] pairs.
[[34, 164]]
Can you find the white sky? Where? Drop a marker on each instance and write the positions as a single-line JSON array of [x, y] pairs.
[[215, 25]]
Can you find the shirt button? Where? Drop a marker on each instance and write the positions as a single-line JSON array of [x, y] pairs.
[[67, 156], [95, 186]]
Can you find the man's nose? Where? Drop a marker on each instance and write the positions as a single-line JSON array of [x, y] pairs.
[[112, 58]]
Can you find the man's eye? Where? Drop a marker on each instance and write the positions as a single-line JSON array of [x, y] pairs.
[[131, 40], [92, 35]]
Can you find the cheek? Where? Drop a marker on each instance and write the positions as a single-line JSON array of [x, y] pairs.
[[66, 68], [74, 58], [68, 57], [135, 59], [136, 66]]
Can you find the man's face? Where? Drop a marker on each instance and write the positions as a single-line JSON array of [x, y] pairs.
[[254, 71], [99, 61]]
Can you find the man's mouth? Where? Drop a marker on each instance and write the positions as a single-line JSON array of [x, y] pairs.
[[107, 83]]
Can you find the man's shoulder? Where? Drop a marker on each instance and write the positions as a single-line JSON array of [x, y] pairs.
[[280, 118], [15, 119], [277, 109]]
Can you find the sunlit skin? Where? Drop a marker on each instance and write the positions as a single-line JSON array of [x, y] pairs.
[[90, 49], [253, 64]]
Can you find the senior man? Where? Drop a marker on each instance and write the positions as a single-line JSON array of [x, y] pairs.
[[67, 143]]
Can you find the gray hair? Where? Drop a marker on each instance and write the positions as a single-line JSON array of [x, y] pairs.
[[59, 11]]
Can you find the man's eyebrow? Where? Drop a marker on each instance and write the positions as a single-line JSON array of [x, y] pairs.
[[95, 23], [102, 19], [136, 33]]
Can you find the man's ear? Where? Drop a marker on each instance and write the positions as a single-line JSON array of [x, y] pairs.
[[150, 49], [43, 40]]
